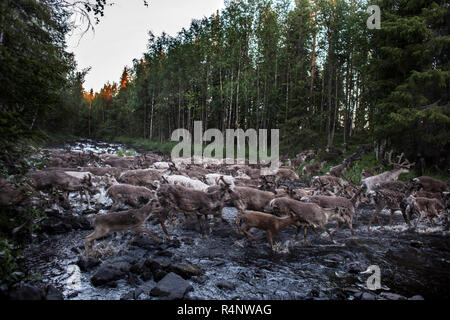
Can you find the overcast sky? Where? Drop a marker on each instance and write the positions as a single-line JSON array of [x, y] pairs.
[[122, 34]]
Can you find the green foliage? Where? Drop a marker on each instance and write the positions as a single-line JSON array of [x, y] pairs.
[[8, 263], [353, 173], [410, 78], [126, 153]]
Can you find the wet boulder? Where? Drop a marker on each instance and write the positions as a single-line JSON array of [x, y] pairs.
[[186, 270], [159, 266], [87, 263], [171, 287], [55, 226], [106, 275], [365, 296], [51, 293], [27, 292]]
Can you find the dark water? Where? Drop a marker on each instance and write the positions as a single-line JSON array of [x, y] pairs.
[[233, 267]]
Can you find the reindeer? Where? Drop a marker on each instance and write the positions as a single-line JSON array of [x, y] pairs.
[[141, 177], [128, 194], [246, 198], [345, 207], [335, 150], [426, 208], [313, 168], [399, 168], [66, 181], [283, 174], [102, 171], [306, 214], [120, 221], [430, 184], [385, 198], [178, 198], [329, 184], [264, 221], [185, 182], [11, 194], [339, 170]]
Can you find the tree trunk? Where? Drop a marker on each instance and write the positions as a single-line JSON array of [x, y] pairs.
[[151, 116]]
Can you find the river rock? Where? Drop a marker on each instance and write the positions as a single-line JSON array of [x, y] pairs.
[[225, 285], [186, 270], [145, 243], [87, 263], [367, 296], [107, 274], [391, 296], [158, 266], [51, 293], [27, 292], [355, 267], [54, 226], [172, 287]]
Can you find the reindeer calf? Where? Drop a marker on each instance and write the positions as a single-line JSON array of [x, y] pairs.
[[120, 221], [264, 221], [427, 208], [307, 214]]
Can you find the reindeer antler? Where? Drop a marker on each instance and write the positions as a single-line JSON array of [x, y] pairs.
[[399, 164], [390, 157]]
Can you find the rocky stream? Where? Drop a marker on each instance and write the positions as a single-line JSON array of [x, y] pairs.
[[226, 265]]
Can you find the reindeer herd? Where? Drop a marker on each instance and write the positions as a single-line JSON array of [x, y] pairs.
[[158, 189]]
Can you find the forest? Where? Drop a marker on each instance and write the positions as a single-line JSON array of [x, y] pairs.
[[309, 68], [351, 103]]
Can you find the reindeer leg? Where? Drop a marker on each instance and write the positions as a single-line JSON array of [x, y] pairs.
[[89, 240], [66, 199], [406, 218], [305, 231], [379, 220], [162, 219], [350, 225], [390, 217], [247, 233], [421, 216], [115, 206], [269, 238], [296, 233], [430, 218], [87, 198], [201, 217], [327, 231], [371, 220]]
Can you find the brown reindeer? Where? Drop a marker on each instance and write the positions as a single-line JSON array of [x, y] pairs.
[[264, 221], [119, 221]]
